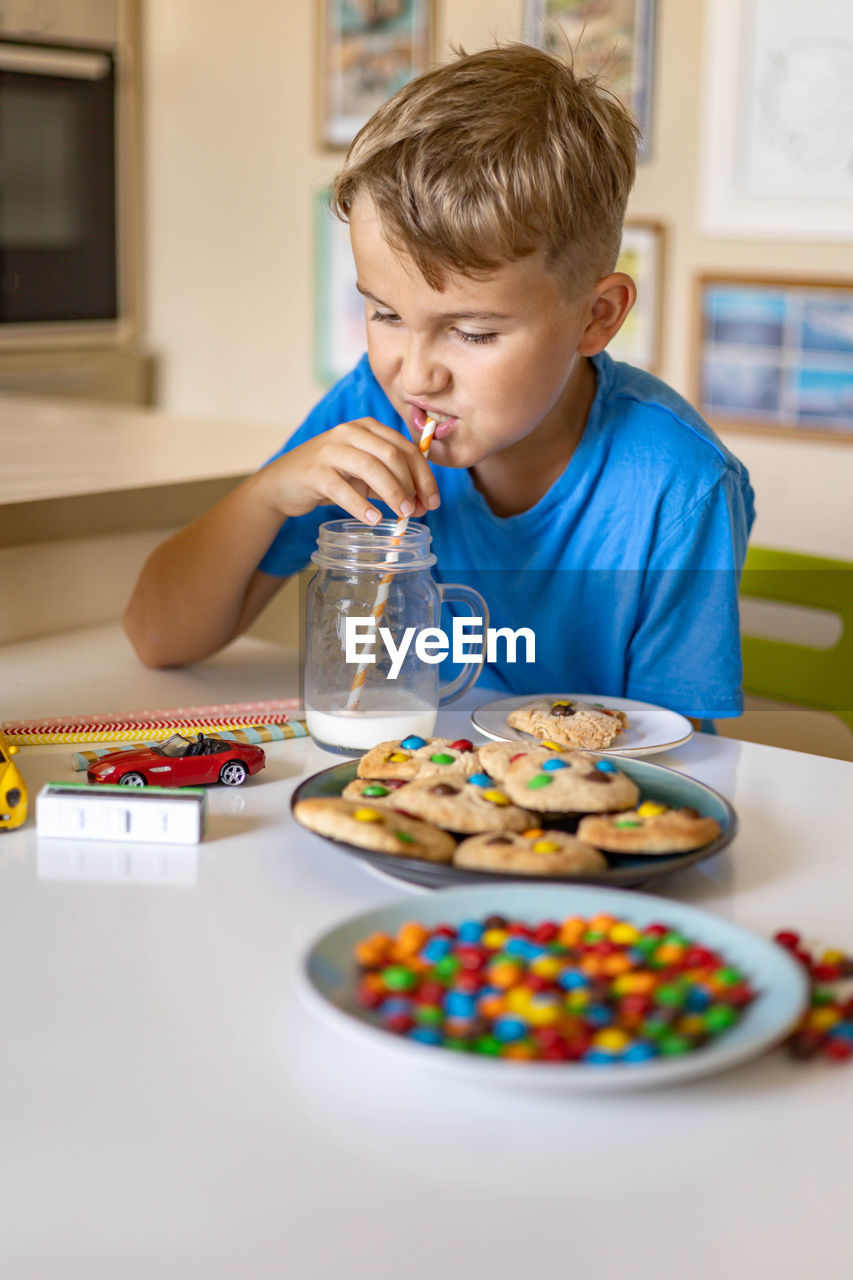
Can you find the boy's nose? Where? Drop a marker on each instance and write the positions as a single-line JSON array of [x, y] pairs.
[[422, 374]]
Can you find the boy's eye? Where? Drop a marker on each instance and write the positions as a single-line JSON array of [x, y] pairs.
[[389, 316], [476, 337]]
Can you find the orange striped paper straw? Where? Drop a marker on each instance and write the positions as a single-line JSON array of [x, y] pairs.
[[379, 604]]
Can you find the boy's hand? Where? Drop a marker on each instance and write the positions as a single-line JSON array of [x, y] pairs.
[[349, 465]]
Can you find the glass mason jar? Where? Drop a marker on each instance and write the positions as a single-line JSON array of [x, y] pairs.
[[370, 674]]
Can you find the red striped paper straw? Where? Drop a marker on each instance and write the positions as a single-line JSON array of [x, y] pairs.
[[124, 726]]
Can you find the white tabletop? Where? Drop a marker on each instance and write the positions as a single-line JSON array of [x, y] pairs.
[[171, 1110]]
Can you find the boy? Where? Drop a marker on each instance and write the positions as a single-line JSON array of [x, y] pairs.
[[584, 498]]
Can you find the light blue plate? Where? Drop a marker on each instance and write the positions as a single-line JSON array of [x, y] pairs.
[[327, 981]]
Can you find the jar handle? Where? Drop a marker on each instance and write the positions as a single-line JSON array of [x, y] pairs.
[[455, 591]]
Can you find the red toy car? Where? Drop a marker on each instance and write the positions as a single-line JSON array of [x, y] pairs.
[[180, 762]]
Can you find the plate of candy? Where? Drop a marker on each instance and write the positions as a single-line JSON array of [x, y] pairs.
[[657, 784], [574, 987]]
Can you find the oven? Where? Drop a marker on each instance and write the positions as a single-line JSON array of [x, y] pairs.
[[58, 234], [70, 200]]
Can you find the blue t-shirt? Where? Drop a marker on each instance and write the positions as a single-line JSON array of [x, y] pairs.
[[627, 569]]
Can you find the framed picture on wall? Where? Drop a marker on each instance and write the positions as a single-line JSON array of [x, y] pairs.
[[368, 49], [610, 38], [339, 333], [777, 145], [641, 257], [777, 355]]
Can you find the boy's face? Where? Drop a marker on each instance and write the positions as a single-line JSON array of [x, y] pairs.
[[490, 359]]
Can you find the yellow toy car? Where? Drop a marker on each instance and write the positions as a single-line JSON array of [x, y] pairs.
[[13, 791]]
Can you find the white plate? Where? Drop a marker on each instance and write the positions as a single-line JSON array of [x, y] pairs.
[[326, 982], [651, 728]]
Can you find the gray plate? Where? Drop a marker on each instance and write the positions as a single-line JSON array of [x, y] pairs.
[[627, 870]]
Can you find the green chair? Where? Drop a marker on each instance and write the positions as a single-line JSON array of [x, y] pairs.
[[799, 673]]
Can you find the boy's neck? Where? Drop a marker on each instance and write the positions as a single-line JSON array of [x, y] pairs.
[[515, 479]]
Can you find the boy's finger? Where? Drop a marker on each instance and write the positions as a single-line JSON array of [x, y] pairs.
[[390, 455], [392, 484], [344, 495], [356, 465], [425, 482], [398, 452]]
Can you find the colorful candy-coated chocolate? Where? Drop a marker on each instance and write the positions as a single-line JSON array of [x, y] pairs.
[[436, 949], [459, 1004], [719, 1017], [413, 742], [673, 1044], [509, 1027], [398, 978], [368, 815], [649, 809], [640, 1051], [428, 1014], [489, 1045], [624, 934], [427, 1035], [787, 938], [446, 968]]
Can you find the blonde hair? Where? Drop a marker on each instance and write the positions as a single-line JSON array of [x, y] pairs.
[[490, 157]]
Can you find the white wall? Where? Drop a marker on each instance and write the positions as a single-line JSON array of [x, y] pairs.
[[231, 174]]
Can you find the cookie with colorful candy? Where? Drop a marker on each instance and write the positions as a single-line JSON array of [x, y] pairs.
[[462, 805], [556, 782], [373, 791], [496, 757], [533, 852], [382, 830], [589, 725], [652, 828], [417, 757]]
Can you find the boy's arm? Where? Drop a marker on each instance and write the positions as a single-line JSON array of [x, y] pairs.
[[202, 587]]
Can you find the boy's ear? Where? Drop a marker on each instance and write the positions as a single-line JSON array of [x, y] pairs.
[[613, 297]]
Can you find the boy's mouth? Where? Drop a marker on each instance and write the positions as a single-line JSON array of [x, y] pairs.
[[444, 423]]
